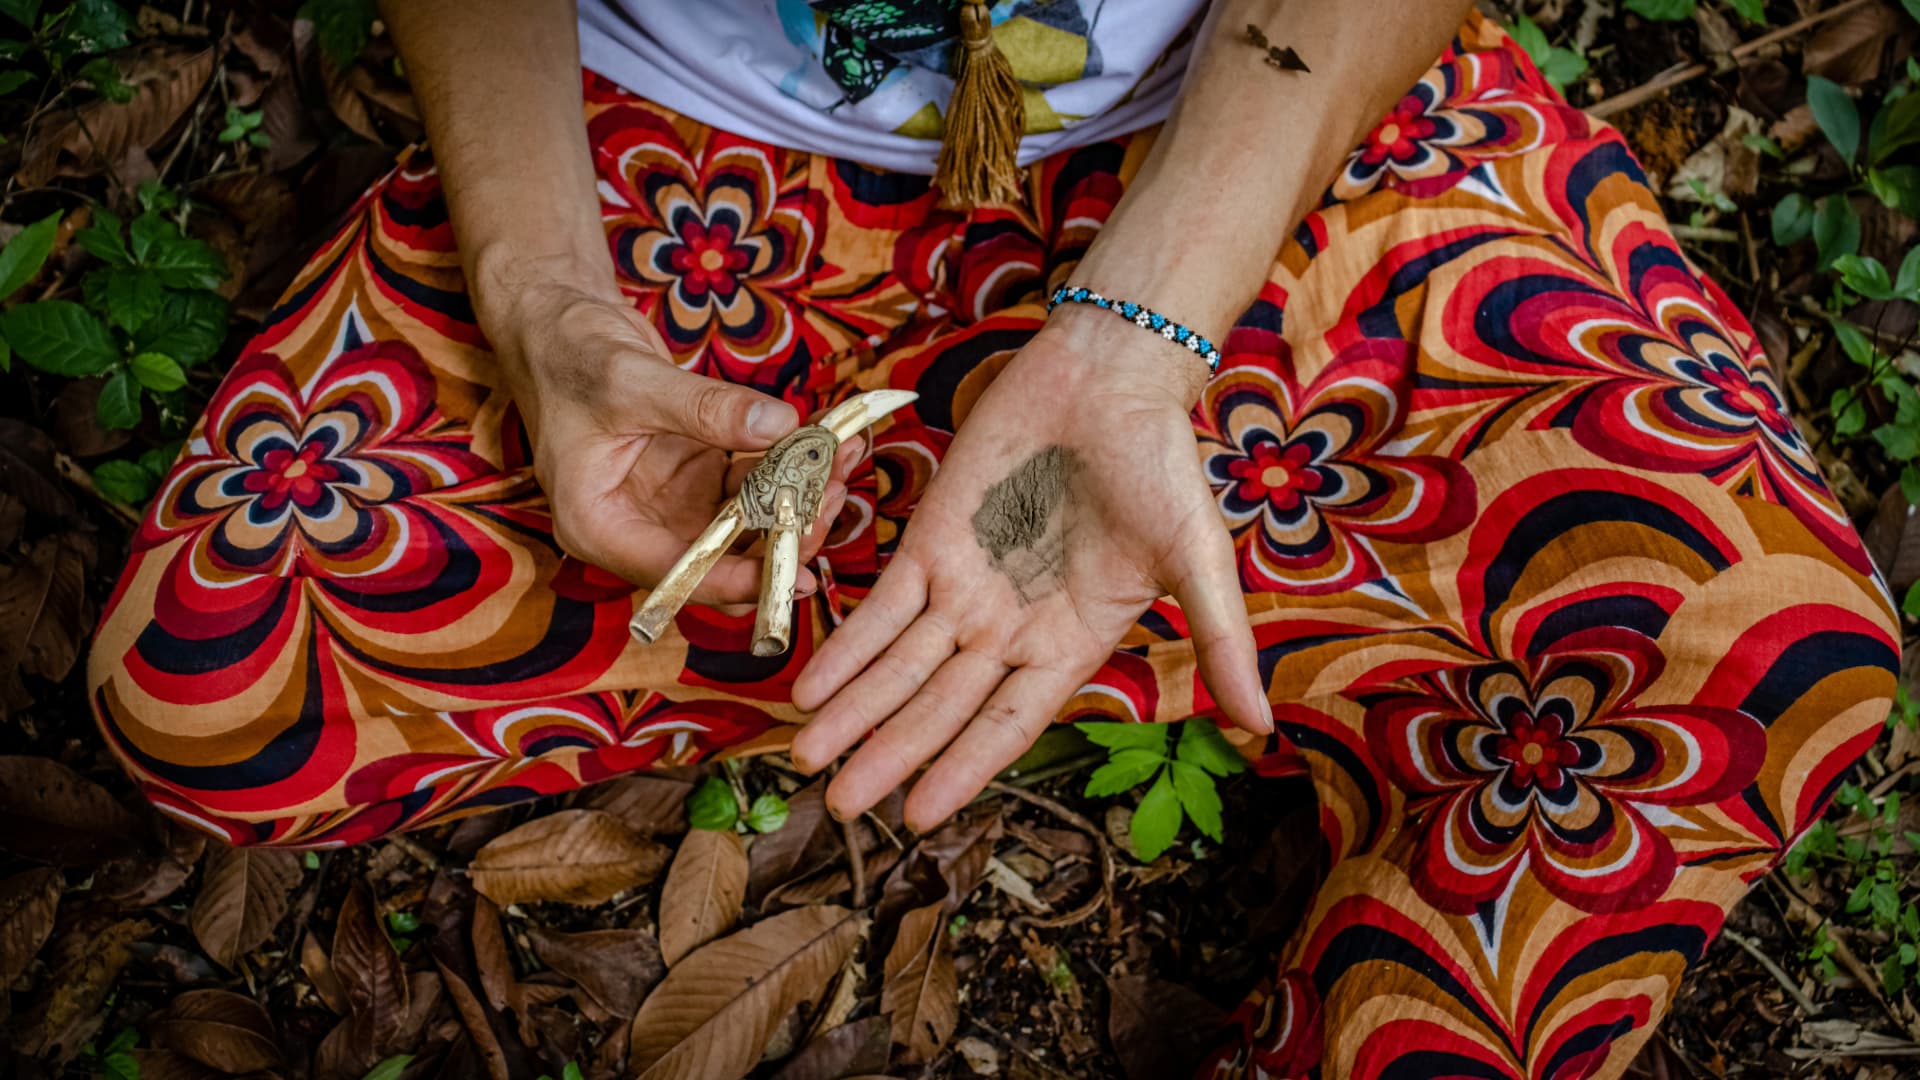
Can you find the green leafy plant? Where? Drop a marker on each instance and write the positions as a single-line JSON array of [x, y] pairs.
[[1864, 854], [147, 315], [1754, 11], [1181, 784], [571, 1072], [244, 124], [115, 1060], [1557, 65], [715, 805], [342, 27], [391, 1068]]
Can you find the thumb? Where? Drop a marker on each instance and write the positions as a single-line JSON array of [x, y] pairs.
[[1208, 590], [713, 412]]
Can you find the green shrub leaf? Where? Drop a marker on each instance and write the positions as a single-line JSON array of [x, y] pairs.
[[1662, 10], [1126, 769], [767, 813], [1792, 220], [712, 806], [104, 240], [1116, 736], [1198, 798], [188, 327], [157, 372], [125, 481], [128, 298], [61, 337], [1865, 275], [1156, 821], [119, 404], [1836, 114], [1836, 229], [26, 253], [1202, 744]]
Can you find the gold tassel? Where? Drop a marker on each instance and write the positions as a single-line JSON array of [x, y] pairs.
[[980, 151]]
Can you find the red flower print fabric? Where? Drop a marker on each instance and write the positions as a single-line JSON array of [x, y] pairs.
[[1553, 607]]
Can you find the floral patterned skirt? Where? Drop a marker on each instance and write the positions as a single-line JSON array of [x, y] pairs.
[[1552, 603]]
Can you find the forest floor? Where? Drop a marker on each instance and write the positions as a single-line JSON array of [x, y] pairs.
[[1023, 939]]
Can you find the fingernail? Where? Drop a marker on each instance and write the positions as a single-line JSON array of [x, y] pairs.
[[765, 422]]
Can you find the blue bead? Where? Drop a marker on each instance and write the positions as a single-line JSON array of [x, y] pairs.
[[1181, 334], [1103, 302], [1129, 309], [1079, 296], [1158, 320]]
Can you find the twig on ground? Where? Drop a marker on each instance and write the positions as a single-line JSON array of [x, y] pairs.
[[1779, 974], [414, 851], [1679, 74], [856, 863], [1099, 836], [1705, 233], [72, 473]]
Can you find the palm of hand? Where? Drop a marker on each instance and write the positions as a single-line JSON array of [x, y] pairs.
[[1035, 548]]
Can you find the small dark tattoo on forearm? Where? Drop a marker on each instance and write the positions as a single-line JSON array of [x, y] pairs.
[[1022, 522]]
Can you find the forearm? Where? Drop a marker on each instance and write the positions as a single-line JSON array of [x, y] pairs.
[[498, 82], [1249, 148]]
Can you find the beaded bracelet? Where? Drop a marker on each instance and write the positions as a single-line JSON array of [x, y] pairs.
[[1144, 317]]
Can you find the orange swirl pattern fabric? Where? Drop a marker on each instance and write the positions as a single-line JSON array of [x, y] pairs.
[[1553, 605]]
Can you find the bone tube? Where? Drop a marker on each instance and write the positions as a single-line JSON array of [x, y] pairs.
[[773, 622], [671, 594]]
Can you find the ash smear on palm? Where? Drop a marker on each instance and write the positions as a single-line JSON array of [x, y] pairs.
[[1022, 522]]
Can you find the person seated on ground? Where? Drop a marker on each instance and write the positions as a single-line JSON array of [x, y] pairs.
[[1478, 505]]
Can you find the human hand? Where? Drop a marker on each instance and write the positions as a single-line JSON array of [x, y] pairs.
[[1041, 539], [633, 452]]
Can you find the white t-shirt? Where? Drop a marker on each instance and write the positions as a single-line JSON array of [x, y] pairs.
[[869, 79]]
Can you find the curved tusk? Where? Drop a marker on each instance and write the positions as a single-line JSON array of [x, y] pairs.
[[861, 411]]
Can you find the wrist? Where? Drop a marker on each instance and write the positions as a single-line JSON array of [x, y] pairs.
[[1099, 349]]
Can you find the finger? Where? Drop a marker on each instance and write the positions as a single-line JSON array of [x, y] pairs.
[[895, 601], [710, 411], [1209, 593], [915, 733], [1019, 710], [886, 685], [830, 504]]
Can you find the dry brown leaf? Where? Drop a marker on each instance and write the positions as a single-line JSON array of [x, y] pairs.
[[945, 865], [27, 470], [1851, 48], [491, 959], [859, 1047], [145, 880], [51, 814], [1160, 1028], [166, 82], [76, 420], [243, 896], [473, 1017], [808, 841], [45, 614], [647, 803], [922, 993], [28, 903], [319, 968], [220, 1029], [615, 967], [580, 857], [704, 891], [169, 1065], [1893, 538], [376, 988], [715, 1010], [81, 970]]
